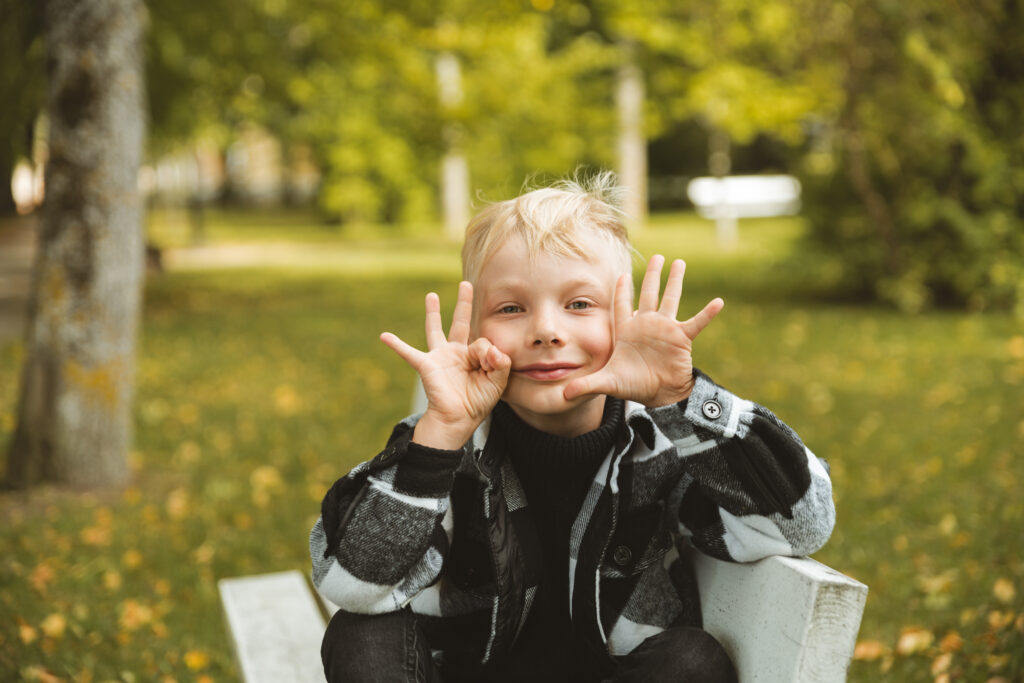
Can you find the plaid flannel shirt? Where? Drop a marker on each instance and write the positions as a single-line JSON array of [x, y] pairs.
[[449, 533]]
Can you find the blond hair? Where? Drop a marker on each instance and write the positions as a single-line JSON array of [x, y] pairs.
[[552, 220]]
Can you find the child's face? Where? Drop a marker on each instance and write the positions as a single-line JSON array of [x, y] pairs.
[[553, 316]]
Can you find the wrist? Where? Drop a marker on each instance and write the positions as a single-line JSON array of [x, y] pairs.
[[434, 432], [670, 396]]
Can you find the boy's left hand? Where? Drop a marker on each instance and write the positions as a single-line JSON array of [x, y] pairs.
[[651, 362]]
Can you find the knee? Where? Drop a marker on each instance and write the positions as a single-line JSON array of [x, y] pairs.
[[700, 657], [353, 641], [342, 631], [681, 655], [345, 625]]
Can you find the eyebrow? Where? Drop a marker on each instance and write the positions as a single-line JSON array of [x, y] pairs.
[[514, 284]]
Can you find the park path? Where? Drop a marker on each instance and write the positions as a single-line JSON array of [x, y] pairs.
[[17, 252], [18, 248]]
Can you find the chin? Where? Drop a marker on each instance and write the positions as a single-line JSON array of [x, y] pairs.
[[549, 401]]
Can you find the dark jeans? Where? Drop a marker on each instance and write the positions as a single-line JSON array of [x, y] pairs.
[[392, 648]]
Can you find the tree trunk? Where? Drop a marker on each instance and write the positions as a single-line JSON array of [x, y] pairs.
[[632, 143], [74, 415], [719, 165], [454, 168]]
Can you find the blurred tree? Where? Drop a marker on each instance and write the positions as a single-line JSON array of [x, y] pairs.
[[22, 86], [74, 413], [924, 202], [904, 131]]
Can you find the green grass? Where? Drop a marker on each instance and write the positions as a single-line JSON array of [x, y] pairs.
[[258, 386]]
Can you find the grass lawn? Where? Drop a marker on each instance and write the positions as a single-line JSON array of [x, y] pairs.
[[259, 385]]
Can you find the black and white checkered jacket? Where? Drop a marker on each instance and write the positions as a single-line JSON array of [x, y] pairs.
[[449, 534]]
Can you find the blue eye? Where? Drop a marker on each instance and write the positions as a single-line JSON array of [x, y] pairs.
[[579, 305], [511, 308]]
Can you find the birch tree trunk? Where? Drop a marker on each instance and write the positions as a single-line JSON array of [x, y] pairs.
[[74, 415], [632, 143], [454, 168]]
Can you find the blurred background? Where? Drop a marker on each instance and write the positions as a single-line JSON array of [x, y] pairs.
[[848, 175]]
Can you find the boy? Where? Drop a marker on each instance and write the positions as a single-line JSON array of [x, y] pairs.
[[533, 523]]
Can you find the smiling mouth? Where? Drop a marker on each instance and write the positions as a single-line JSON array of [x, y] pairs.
[[547, 373]]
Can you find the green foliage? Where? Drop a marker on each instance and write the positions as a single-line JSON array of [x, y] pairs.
[[258, 386], [925, 203], [901, 119]]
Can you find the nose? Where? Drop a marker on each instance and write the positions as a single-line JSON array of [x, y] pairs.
[[545, 329]]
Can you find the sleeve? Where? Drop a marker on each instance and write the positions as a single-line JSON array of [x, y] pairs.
[[384, 528], [750, 487]]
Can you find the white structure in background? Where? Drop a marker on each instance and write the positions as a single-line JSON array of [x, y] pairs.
[[454, 169], [727, 199], [27, 186], [28, 180], [255, 167]]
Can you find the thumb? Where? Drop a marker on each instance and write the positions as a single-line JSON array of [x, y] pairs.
[[501, 364], [596, 383], [495, 363], [697, 323]]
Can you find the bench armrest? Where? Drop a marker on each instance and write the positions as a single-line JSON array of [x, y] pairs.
[[275, 627], [782, 619]]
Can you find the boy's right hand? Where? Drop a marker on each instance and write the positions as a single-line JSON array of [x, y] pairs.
[[462, 381]]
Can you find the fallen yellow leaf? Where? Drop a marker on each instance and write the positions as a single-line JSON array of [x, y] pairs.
[[132, 558], [41, 576], [942, 663], [27, 633], [177, 504], [188, 452], [997, 662], [38, 673], [203, 554], [1004, 590], [940, 583], [914, 639], [54, 625], [134, 614], [111, 580], [948, 524], [998, 620], [196, 660], [96, 536], [869, 650], [951, 642], [286, 400], [1016, 347]]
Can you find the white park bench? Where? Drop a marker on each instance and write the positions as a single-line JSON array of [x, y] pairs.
[[781, 619], [726, 199]]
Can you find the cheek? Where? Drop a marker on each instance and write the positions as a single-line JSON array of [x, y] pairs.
[[599, 341], [497, 335]]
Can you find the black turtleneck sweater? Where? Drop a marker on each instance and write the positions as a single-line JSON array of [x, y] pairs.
[[556, 473]]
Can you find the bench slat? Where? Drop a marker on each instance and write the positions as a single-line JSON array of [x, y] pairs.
[[275, 627]]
